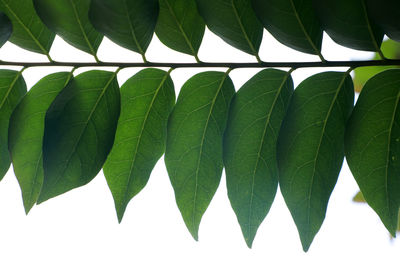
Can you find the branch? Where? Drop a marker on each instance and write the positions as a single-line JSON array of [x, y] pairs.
[[231, 65]]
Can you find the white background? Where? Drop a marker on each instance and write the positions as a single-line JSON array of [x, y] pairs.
[[80, 228]]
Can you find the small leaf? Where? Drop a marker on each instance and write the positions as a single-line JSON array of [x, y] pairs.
[[310, 148], [12, 89], [5, 29], [128, 23], [234, 21], [373, 145], [194, 149], [292, 22], [255, 118], [28, 30], [386, 14], [26, 134], [180, 26], [79, 132], [146, 101], [69, 19], [348, 24], [359, 198]]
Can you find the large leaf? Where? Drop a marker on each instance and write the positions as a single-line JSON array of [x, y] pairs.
[[255, 118], [311, 150], [5, 28], [386, 13], [12, 89], [234, 21], [146, 101], [26, 134], [69, 19], [194, 149], [128, 23], [29, 32], [79, 132], [292, 22], [180, 26], [348, 24], [373, 145]]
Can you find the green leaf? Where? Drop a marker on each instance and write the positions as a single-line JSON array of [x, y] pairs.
[[386, 14], [255, 118], [79, 132], [12, 89], [390, 49], [234, 21], [26, 134], [28, 30], [311, 150], [292, 22], [180, 26], [194, 149], [146, 101], [373, 145], [5, 29], [359, 197], [128, 23], [348, 24], [69, 19]]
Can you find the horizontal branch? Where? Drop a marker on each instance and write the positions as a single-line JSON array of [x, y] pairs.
[[232, 65]]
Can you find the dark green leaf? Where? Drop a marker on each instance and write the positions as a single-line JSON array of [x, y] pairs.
[[348, 24], [5, 29], [146, 101], [79, 132], [390, 49], [194, 149], [69, 19], [310, 148], [373, 145], [180, 26], [28, 30], [26, 134], [292, 22], [255, 118], [12, 89], [386, 13], [234, 21], [128, 23]]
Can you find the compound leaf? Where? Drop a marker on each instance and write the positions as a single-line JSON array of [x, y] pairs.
[[146, 101], [29, 32], [180, 26], [79, 132], [69, 19], [26, 134], [256, 114], [194, 149], [311, 150], [373, 145]]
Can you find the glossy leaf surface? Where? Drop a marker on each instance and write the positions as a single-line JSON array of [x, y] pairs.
[[5, 28], [128, 23], [194, 149], [234, 21], [69, 19], [79, 132], [146, 102], [180, 26], [29, 32], [311, 150], [348, 24], [256, 114], [12, 89], [373, 145], [292, 22], [386, 14], [26, 135]]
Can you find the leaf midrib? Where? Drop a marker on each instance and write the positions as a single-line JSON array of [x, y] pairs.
[[132, 30], [10, 89]]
